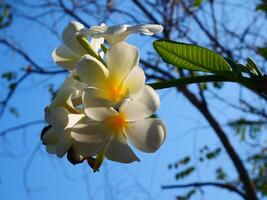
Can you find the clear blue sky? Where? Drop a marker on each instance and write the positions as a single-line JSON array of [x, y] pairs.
[[27, 173]]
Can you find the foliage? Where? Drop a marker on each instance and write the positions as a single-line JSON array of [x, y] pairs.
[[6, 14]]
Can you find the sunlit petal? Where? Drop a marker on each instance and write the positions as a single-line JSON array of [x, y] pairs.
[[65, 57], [146, 135], [92, 72], [121, 58], [69, 37], [134, 82], [118, 150], [143, 107]]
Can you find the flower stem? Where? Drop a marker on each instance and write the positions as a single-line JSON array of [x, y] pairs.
[[190, 80], [86, 45]]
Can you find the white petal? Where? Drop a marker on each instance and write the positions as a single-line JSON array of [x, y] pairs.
[[92, 71], [57, 117], [121, 58], [69, 37], [65, 57], [118, 150], [62, 147], [49, 137], [95, 97], [71, 83], [74, 119], [63, 98], [94, 31], [70, 31], [51, 148], [146, 135], [143, 107], [134, 82], [89, 138], [61, 119], [96, 108], [147, 29], [50, 140], [96, 43]]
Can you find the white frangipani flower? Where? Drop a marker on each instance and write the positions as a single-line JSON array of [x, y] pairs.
[[115, 34], [61, 115], [57, 138], [104, 103], [110, 129], [69, 95], [68, 54], [110, 85]]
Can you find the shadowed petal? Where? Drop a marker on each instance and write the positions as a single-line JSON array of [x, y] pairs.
[[118, 150], [146, 135]]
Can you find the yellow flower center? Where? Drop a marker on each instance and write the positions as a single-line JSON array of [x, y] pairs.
[[115, 91], [117, 123]]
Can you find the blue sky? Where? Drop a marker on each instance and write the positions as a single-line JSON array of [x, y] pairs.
[[28, 172]]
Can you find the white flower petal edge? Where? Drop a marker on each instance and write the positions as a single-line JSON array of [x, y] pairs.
[[121, 59], [147, 135], [55, 143], [146, 29], [115, 34], [89, 138], [69, 37], [118, 150], [92, 72], [134, 82], [50, 140], [65, 57], [70, 53], [143, 107], [61, 119]]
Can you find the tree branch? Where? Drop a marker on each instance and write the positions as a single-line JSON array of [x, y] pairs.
[[204, 184]]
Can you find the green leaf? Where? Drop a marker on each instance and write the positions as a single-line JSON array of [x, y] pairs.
[[262, 7], [262, 51], [99, 160], [9, 76], [253, 67], [197, 3], [191, 57], [104, 48]]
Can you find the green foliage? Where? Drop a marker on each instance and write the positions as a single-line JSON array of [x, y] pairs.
[[247, 129], [253, 68], [197, 3], [9, 76], [5, 14], [12, 86], [262, 6], [191, 57], [185, 173], [220, 174], [259, 164], [187, 196], [262, 51], [207, 154], [181, 162]]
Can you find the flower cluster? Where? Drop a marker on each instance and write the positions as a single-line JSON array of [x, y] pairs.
[[104, 102]]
